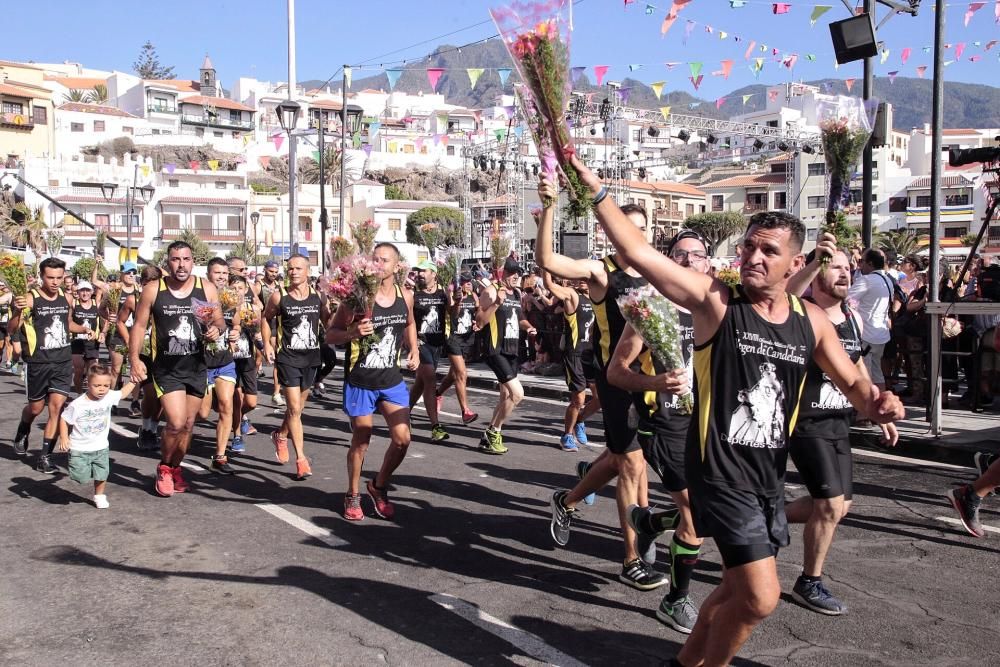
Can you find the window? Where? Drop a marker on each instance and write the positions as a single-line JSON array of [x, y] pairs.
[[642, 204], [756, 201], [779, 168], [780, 201], [102, 220], [817, 169], [98, 126], [217, 133], [174, 183], [636, 136], [123, 220], [199, 132], [450, 150], [772, 123], [811, 235], [994, 235], [702, 207], [127, 130], [203, 223], [160, 103], [234, 116], [314, 257], [236, 134], [234, 223], [39, 115], [220, 185], [77, 127], [921, 231], [717, 202], [956, 200], [818, 201], [923, 201], [165, 131], [305, 223], [171, 220], [394, 224], [688, 210], [897, 204], [954, 232], [155, 131], [12, 107]]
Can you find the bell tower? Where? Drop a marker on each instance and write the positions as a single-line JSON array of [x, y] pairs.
[[207, 78]]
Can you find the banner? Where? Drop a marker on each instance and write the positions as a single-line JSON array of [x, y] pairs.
[[695, 69], [504, 73], [278, 139], [367, 148], [818, 11]]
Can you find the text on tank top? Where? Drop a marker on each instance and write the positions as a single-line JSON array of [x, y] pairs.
[[86, 317], [748, 383], [430, 311], [217, 353], [504, 331], [298, 330], [464, 317], [657, 408], [175, 332], [46, 330], [609, 323], [373, 363], [578, 326]]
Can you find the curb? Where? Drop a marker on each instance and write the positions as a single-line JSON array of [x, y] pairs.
[[924, 447]]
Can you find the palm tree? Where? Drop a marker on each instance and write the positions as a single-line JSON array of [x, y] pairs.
[[99, 94], [247, 252], [309, 168], [26, 228], [897, 242], [77, 95]]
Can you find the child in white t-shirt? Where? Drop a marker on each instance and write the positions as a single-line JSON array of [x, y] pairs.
[[90, 417]]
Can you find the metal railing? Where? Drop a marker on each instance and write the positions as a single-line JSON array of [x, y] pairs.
[[157, 108], [22, 120], [217, 121], [213, 233]]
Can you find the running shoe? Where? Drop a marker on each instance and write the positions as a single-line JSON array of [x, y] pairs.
[[135, 409], [180, 484], [352, 507], [581, 433], [220, 464], [983, 461], [966, 503], [469, 416], [815, 596], [238, 446], [581, 471], [640, 576], [246, 428], [562, 518], [44, 465], [164, 481], [302, 469], [438, 433], [492, 443], [101, 501], [645, 542], [147, 441], [277, 399], [21, 445], [681, 614], [380, 498], [280, 443], [568, 443], [319, 390]]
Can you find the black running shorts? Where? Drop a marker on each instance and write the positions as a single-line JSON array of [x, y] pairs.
[[88, 349], [746, 527], [246, 375], [576, 381], [460, 346], [589, 365], [429, 354], [619, 435], [663, 448], [172, 374], [504, 366], [824, 465], [295, 377], [44, 379]]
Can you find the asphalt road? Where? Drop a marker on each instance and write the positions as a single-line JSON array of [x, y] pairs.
[[258, 568]]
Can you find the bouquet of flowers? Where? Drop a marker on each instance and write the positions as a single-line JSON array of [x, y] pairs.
[[229, 299], [363, 232], [402, 272], [655, 319], [499, 252], [249, 318], [113, 299], [537, 36], [353, 283], [448, 267], [845, 125], [340, 248], [13, 272], [729, 276]]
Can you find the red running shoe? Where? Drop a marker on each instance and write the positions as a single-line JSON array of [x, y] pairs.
[[280, 447], [383, 507], [164, 481], [352, 507], [180, 485], [302, 469], [469, 417]]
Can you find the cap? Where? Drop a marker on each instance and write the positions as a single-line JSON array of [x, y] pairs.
[[84, 284], [687, 234], [465, 277], [427, 265], [270, 264], [511, 266], [130, 266]]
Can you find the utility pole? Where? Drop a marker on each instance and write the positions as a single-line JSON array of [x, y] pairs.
[[867, 159], [293, 204], [322, 194], [343, 144]]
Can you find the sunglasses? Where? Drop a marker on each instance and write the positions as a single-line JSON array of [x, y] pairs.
[[130, 273]]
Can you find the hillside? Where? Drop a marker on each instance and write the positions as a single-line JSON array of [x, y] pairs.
[[965, 104]]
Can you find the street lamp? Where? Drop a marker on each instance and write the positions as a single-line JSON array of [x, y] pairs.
[[288, 116], [254, 219], [108, 190]]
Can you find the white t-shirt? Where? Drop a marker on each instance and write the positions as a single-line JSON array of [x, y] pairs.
[[871, 295], [91, 421]]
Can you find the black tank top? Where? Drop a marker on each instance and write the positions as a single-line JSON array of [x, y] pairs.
[[578, 325], [87, 317], [430, 314], [244, 344], [503, 333], [175, 338], [217, 354], [373, 363], [464, 317], [46, 330], [608, 319], [131, 318], [825, 411], [748, 382], [657, 409], [298, 330]]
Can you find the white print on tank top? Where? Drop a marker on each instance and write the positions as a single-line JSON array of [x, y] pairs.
[[303, 336], [183, 339], [382, 354], [55, 336], [831, 398], [464, 324], [512, 331], [759, 421], [242, 348], [431, 323], [688, 369]]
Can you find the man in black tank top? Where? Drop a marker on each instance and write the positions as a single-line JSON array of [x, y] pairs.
[[178, 361], [299, 314], [752, 345], [430, 313], [372, 381], [45, 317], [270, 284], [820, 447], [460, 345]]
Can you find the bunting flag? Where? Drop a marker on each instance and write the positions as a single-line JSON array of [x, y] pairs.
[[263, 160], [393, 76], [781, 7], [575, 72], [849, 83], [920, 70], [694, 105], [719, 102], [975, 59], [746, 56], [633, 68], [392, 146], [990, 44], [418, 143], [948, 62], [727, 67], [811, 57], [657, 87], [885, 55], [892, 76], [996, 11], [356, 140], [500, 133], [696, 81], [367, 148], [474, 74], [650, 9], [736, 4], [518, 131], [599, 72], [347, 77], [504, 73], [695, 69], [758, 64], [772, 95], [624, 94], [315, 156], [214, 165], [959, 50], [671, 66], [818, 11], [790, 61], [434, 76], [665, 111], [278, 139], [973, 8], [170, 166], [723, 34], [708, 29], [373, 130], [904, 55], [444, 139], [145, 171], [688, 28], [246, 139], [195, 165], [675, 9], [746, 98], [509, 111]]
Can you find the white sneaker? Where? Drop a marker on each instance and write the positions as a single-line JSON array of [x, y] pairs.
[[101, 501], [277, 399]]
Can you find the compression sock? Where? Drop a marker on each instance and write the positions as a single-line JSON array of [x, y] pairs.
[[683, 557], [663, 521], [149, 424], [22, 430], [47, 445]]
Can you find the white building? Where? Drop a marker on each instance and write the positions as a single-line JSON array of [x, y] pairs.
[[78, 125]]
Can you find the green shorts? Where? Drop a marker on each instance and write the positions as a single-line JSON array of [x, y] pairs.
[[89, 466]]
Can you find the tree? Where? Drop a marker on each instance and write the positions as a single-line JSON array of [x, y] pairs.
[[393, 191], [716, 227], [897, 242], [98, 95], [84, 268], [199, 249], [309, 168], [25, 227], [450, 225], [969, 239], [76, 95], [148, 65]]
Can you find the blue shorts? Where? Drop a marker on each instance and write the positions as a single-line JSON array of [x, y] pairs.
[[359, 402], [227, 373]]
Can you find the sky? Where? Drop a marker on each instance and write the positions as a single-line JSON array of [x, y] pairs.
[[248, 38]]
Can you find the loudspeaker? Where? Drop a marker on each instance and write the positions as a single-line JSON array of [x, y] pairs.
[[854, 38]]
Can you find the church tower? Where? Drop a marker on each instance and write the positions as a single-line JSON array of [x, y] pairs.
[[209, 88]]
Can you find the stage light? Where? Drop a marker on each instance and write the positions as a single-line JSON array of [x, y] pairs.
[[711, 138], [757, 144], [684, 135], [782, 146]]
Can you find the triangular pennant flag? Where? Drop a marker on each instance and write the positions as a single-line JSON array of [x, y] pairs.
[[373, 129], [758, 64], [657, 87], [504, 73], [145, 171], [892, 76], [393, 76], [926, 49], [727, 67], [723, 34], [675, 9], [990, 44], [599, 72], [500, 133], [904, 55], [948, 62], [170, 166], [790, 61], [996, 11], [772, 95], [811, 57], [973, 8], [347, 77], [671, 66], [434, 76], [624, 94], [746, 98], [278, 139], [719, 102], [509, 110], [959, 50], [780, 7], [650, 9], [696, 81], [214, 165], [818, 11], [754, 71], [518, 131], [688, 29], [665, 111], [392, 146], [975, 59], [708, 29], [736, 4], [356, 140], [315, 156], [746, 56], [444, 139], [885, 55], [695, 69], [418, 143], [195, 165], [246, 139], [920, 70], [367, 148], [694, 105], [633, 68], [575, 72], [849, 83], [474, 74]]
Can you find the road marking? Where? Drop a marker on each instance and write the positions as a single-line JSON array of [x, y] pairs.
[[442, 413], [903, 459], [307, 527], [527, 642], [958, 522], [122, 431]]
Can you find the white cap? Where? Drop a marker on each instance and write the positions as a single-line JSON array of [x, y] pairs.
[[84, 284]]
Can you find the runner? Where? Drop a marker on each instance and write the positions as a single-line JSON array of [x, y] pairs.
[[177, 365], [117, 342], [299, 314], [246, 368], [268, 286], [150, 403], [45, 316], [238, 267], [967, 498], [221, 375], [6, 299], [430, 310], [752, 345], [372, 381], [578, 360], [500, 322], [460, 346], [85, 346]]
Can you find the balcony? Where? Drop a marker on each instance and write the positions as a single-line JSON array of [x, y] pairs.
[[754, 207], [160, 108], [73, 228], [949, 214], [667, 215], [220, 121], [18, 121], [217, 234]]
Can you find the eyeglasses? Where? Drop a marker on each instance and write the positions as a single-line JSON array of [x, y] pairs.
[[690, 255]]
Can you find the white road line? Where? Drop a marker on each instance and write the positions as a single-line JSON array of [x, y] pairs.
[[903, 459], [527, 642], [958, 522], [307, 527], [122, 431]]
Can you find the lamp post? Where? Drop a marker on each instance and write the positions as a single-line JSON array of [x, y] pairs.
[[288, 116], [254, 219]]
